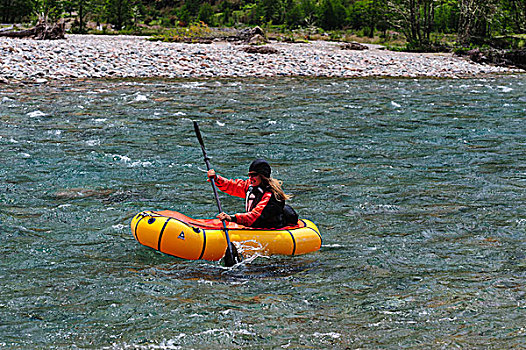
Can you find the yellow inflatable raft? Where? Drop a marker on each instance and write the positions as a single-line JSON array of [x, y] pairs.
[[175, 234]]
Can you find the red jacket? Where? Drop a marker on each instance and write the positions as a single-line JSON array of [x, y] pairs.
[[240, 188]]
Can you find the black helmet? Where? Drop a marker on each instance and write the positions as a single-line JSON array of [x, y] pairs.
[[260, 166]]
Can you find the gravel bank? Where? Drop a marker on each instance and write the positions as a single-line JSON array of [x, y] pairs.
[[88, 56]]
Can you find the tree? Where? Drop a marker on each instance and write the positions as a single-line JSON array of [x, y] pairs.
[[309, 10], [292, 13], [414, 18], [294, 16], [12, 11], [332, 14], [446, 16], [518, 14], [475, 19], [49, 9], [226, 10], [82, 8], [367, 14], [118, 13], [206, 13], [271, 11]]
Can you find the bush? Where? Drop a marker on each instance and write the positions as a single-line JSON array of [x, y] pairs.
[[192, 33], [206, 14]]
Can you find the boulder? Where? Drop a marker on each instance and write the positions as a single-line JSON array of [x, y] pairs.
[[504, 58], [260, 49], [517, 58], [353, 46], [248, 34], [476, 56], [257, 39]]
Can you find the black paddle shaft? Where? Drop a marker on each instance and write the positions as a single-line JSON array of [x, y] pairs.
[[229, 256]]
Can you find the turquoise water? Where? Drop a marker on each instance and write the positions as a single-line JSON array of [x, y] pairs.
[[418, 188]]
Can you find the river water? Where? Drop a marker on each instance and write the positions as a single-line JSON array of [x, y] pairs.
[[418, 188]]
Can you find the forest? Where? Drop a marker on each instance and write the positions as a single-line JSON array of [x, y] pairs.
[[422, 23]]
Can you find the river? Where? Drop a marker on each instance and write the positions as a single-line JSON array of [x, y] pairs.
[[417, 185]]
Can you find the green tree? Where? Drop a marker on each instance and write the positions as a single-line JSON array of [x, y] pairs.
[[271, 11], [332, 14], [517, 14], [446, 16], [294, 16], [206, 13], [12, 11], [193, 7], [367, 14], [247, 14], [475, 19], [118, 13], [50, 9], [225, 15], [82, 8], [98, 12], [189, 11], [508, 17], [309, 11], [414, 18]]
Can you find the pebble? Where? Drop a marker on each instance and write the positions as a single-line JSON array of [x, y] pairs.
[[90, 56]]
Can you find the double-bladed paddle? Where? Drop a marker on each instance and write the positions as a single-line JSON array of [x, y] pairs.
[[231, 256]]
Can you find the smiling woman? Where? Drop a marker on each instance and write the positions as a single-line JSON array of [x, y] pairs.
[[265, 199]]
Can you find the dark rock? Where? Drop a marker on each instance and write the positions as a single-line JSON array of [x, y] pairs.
[[353, 46], [75, 193], [476, 56], [504, 58], [257, 39], [248, 34], [517, 57], [260, 49]]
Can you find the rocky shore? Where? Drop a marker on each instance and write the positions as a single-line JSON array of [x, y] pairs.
[[88, 56]]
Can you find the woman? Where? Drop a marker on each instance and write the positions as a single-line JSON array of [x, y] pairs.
[[265, 199]]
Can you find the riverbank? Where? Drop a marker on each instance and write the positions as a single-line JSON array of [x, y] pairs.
[[89, 56]]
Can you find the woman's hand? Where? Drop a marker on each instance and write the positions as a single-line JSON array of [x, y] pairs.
[[224, 216], [211, 174]]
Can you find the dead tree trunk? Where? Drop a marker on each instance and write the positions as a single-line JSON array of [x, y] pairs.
[[42, 31]]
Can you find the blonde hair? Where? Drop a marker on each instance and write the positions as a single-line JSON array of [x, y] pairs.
[[275, 187]]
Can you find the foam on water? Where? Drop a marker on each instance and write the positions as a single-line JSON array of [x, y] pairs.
[[505, 88], [36, 114], [140, 98]]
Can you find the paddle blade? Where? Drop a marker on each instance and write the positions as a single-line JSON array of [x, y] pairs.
[[231, 257], [198, 134]]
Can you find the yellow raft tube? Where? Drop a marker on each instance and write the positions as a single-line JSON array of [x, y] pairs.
[[175, 234]]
